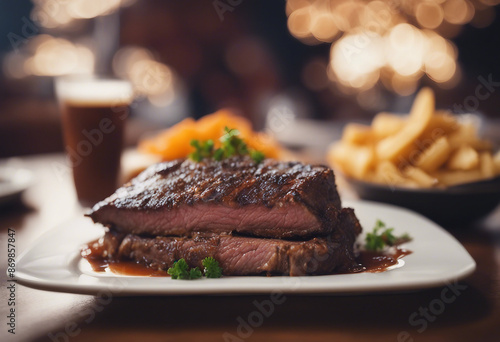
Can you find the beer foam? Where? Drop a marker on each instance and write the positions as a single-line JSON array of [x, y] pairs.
[[94, 92]]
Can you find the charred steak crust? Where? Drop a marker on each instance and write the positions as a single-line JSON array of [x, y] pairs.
[[272, 199], [234, 181], [243, 255], [274, 218]]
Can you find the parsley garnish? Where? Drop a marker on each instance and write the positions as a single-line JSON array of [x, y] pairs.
[[180, 269], [257, 156], [212, 268], [231, 145], [381, 236], [195, 273], [202, 149]]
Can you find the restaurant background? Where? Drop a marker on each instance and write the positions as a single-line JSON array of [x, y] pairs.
[[190, 58], [299, 70]]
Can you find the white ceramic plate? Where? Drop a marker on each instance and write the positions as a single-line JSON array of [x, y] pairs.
[[13, 182], [54, 263]]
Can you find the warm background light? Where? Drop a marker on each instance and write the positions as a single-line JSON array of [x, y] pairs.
[[374, 43], [393, 43], [45, 55], [149, 77], [54, 14]]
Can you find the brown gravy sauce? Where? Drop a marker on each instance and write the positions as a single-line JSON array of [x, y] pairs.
[[92, 252], [373, 262]]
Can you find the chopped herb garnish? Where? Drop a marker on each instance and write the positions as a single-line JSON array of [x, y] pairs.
[[257, 156], [231, 145], [212, 268], [181, 270], [203, 149], [230, 133], [403, 239], [195, 273], [219, 154], [381, 236]]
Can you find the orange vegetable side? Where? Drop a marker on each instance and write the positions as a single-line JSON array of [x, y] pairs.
[[174, 143]]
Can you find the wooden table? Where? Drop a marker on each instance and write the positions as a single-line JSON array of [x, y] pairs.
[[473, 314]]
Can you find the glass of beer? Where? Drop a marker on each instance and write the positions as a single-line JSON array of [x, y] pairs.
[[94, 111]]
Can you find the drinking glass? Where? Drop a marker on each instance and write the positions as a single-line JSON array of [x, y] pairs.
[[94, 111]]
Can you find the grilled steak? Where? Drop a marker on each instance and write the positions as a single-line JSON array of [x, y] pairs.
[[270, 218], [244, 255], [180, 198]]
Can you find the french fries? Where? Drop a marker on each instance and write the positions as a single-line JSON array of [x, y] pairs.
[[464, 158], [385, 124], [387, 173], [352, 159], [427, 148], [422, 178], [487, 166], [420, 116], [434, 156], [357, 134]]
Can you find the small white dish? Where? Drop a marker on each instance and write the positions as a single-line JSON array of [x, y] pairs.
[[13, 182], [54, 263]]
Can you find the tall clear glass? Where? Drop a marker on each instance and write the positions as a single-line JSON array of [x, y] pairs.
[[94, 111]]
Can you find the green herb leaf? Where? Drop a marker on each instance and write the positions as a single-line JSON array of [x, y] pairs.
[[195, 273], [381, 236], [388, 237], [243, 149], [229, 134], [257, 156], [403, 239], [229, 150], [202, 149], [219, 154], [231, 145], [195, 143], [212, 268], [195, 156], [179, 270]]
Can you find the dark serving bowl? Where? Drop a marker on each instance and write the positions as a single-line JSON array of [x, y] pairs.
[[455, 205]]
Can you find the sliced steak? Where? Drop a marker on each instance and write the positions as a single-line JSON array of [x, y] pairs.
[[244, 255], [180, 198]]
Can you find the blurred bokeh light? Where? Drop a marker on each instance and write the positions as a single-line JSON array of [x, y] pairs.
[[149, 77], [45, 55], [54, 14], [393, 43]]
